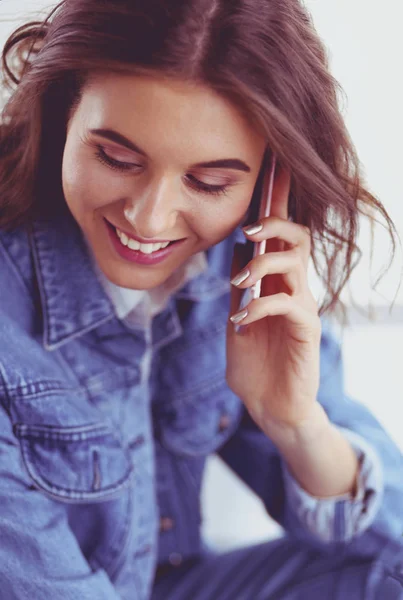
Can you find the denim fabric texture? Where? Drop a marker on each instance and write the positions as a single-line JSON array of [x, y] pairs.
[[102, 459], [284, 569]]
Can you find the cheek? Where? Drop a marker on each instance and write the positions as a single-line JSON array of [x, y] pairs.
[[218, 221], [87, 185]]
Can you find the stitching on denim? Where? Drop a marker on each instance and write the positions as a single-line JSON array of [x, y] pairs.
[[66, 494], [27, 391], [41, 287], [49, 343], [73, 433], [55, 345]]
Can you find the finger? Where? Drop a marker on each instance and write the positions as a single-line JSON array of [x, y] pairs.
[[281, 193], [293, 234], [288, 264], [273, 306]]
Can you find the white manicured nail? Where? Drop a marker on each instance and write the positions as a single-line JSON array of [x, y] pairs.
[[252, 229], [241, 277], [239, 316]]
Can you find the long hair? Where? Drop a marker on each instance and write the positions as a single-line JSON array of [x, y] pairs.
[[263, 55]]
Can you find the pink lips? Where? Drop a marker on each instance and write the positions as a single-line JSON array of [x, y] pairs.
[[135, 256], [139, 239]]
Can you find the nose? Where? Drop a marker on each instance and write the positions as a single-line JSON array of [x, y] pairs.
[[153, 211]]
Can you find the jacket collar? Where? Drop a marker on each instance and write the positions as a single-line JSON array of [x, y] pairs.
[[73, 301], [72, 297]]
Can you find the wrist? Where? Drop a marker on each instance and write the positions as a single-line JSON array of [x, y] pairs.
[[291, 436], [317, 455]]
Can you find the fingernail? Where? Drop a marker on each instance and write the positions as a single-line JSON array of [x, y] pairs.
[[239, 316], [252, 229], [241, 277]]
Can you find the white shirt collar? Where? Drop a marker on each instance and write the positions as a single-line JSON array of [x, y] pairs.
[[140, 306]]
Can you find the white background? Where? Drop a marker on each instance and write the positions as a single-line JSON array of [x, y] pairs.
[[366, 51]]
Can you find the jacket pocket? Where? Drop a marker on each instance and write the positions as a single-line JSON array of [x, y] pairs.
[[198, 424], [75, 464]]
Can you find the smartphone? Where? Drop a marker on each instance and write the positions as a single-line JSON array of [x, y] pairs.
[[259, 248], [264, 211]]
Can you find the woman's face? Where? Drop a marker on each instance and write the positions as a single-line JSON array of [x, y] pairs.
[[150, 161]]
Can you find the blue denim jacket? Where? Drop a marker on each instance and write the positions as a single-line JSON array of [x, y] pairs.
[[101, 468]]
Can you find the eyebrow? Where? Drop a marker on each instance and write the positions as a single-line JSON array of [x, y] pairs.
[[223, 163]]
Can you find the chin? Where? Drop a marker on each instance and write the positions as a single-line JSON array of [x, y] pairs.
[[134, 281]]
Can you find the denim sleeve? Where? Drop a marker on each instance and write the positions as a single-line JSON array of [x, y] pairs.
[[367, 522], [39, 555], [346, 516]]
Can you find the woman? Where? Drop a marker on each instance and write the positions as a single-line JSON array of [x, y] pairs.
[[133, 149]]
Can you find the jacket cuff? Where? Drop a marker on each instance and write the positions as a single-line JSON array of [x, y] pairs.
[[340, 518]]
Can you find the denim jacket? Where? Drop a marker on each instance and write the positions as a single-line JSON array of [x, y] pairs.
[[101, 468]]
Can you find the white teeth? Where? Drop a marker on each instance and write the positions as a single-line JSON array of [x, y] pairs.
[[123, 238], [135, 245], [146, 248]]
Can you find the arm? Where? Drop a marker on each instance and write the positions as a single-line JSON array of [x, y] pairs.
[[319, 456], [39, 555], [374, 508]]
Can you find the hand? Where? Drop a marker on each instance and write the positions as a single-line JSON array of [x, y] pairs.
[[273, 363]]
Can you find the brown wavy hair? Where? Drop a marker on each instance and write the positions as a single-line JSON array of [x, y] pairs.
[[264, 55]]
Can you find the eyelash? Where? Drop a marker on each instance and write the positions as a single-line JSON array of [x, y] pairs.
[[204, 188], [107, 160], [117, 165]]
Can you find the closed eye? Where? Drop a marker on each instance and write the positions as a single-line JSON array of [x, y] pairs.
[[206, 188], [193, 182], [118, 165]]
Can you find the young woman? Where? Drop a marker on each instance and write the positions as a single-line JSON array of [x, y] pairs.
[[134, 147]]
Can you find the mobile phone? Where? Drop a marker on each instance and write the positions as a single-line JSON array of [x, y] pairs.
[[264, 211], [253, 292]]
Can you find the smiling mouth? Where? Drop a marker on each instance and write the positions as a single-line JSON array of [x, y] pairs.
[[135, 245], [143, 248]]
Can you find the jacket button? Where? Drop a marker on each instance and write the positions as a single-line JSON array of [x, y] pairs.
[[175, 559], [166, 524], [224, 423]]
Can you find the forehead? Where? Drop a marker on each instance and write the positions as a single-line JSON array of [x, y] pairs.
[[158, 110]]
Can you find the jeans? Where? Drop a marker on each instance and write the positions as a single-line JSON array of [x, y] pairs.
[[284, 569]]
